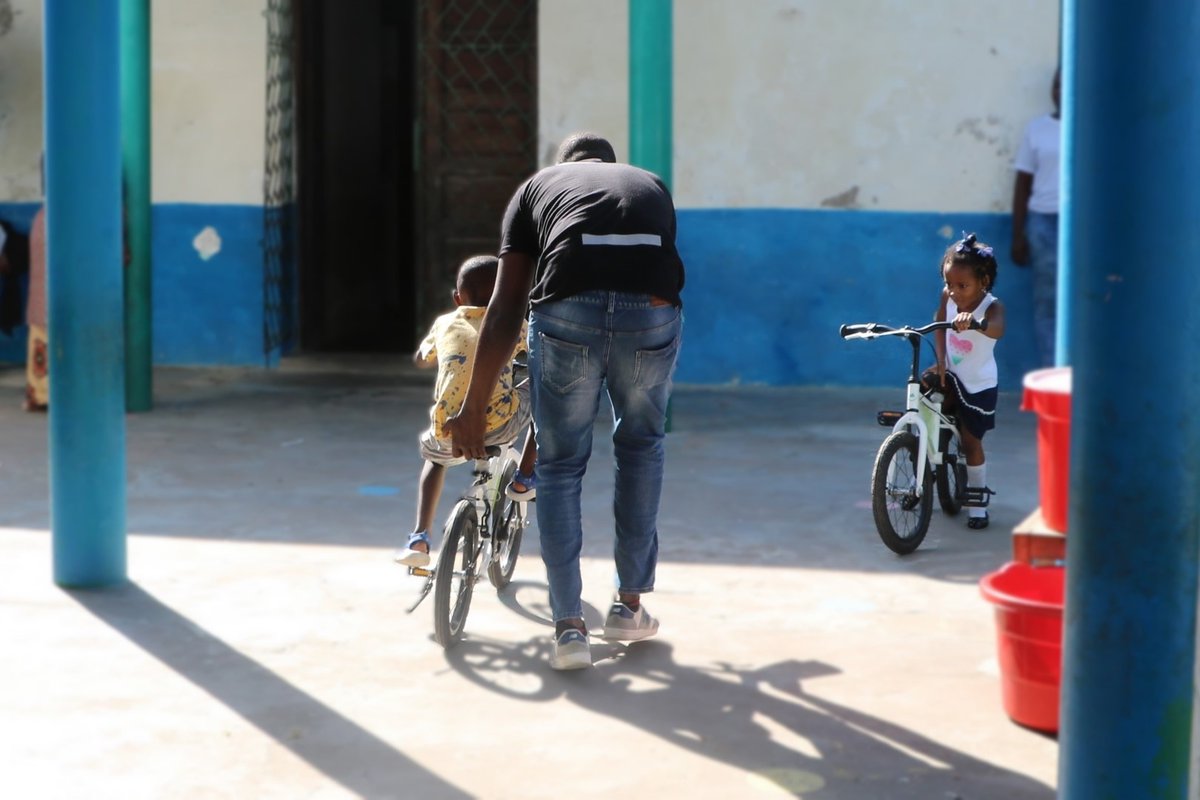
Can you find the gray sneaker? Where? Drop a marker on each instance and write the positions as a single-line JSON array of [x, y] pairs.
[[571, 650], [629, 626]]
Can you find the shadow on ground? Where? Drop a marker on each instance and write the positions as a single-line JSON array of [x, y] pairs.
[[761, 720], [327, 740]]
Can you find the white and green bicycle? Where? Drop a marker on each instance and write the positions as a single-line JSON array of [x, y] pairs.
[[923, 448], [482, 536]]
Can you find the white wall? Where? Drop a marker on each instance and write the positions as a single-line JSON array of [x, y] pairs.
[[20, 100], [209, 100], [207, 103], [583, 73], [882, 104]]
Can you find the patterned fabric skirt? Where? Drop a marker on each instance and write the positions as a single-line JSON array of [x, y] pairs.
[[37, 370]]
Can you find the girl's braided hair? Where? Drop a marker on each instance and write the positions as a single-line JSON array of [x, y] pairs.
[[970, 252]]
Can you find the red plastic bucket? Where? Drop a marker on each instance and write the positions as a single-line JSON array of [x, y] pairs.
[[1029, 609], [1048, 393]]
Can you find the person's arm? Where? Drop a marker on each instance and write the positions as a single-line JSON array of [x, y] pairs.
[[995, 320], [426, 353], [497, 338], [1022, 190], [5, 265]]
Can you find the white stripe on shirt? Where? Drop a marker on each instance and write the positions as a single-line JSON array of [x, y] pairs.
[[623, 239]]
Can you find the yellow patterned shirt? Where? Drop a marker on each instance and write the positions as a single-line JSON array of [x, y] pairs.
[[451, 344]]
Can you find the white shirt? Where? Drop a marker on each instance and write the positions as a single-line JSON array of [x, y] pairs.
[[1039, 155], [970, 354]]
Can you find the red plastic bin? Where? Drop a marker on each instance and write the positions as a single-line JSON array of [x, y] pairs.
[[1029, 611], [1048, 394]]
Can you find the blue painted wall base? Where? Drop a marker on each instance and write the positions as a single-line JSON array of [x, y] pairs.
[[766, 291]]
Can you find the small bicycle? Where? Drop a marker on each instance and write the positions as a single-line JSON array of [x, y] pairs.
[[924, 447], [482, 535]]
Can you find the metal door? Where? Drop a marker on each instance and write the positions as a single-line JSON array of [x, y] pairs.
[[476, 137]]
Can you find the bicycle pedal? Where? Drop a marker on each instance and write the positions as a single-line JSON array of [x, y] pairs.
[[888, 419], [420, 572], [977, 496]]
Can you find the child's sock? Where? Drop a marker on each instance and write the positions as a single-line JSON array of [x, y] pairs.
[[976, 479]]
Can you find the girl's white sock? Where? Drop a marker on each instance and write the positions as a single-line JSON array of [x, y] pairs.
[[976, 479]]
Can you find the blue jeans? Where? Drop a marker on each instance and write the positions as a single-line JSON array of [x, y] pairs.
[[579, 346], [1042, 232]]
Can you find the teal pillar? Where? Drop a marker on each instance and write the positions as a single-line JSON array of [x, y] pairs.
[[1131, 103], [135, 158], [84, 291], [651, 92], [651, 97]]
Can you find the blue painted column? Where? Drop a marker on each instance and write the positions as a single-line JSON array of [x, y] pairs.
[[1132, 200], [84, 288], [651, 97]]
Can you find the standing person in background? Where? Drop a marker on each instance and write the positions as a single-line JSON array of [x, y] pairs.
[[1035, 217], [37, 357], [590, 244], [14, 263]]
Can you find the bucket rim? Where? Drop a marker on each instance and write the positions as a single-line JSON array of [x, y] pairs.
[[1014, 602], [1037, 380]]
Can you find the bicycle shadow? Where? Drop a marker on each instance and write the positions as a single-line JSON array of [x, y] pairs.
[[757, 719]]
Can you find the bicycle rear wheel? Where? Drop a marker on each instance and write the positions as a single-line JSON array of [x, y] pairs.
[[901, 513], [454, 579], [506, 538]]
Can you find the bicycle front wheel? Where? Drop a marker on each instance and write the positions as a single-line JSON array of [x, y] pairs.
[[901, 502], [454, 578]]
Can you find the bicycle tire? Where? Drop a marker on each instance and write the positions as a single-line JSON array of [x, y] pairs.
[[951, 474], [452, 591], [508, 526], [901, 516]]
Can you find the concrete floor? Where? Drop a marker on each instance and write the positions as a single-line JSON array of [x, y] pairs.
[[261, 648]]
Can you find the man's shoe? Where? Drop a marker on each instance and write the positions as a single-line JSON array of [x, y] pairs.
[[629, 626], [571, 650]]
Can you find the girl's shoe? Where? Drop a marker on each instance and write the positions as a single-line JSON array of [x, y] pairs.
[[414, 558], [978, 523], [523, 495]]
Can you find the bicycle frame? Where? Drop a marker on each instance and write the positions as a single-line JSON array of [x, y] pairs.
[[921, 413], [485, 494]]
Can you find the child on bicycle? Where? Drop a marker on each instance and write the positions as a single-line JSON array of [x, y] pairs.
[[450, 345], [966, 364]]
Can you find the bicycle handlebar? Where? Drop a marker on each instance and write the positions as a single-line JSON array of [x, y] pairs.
[[871, 330]]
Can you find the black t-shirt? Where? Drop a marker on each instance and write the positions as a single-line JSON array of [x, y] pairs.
[[594, 225]]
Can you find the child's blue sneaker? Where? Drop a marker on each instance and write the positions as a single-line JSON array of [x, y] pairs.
[[414, 558]]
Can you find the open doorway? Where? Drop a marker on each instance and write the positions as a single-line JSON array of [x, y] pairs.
[[416, 121], [355, 113]]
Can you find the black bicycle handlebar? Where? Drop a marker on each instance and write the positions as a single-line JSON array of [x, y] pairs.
[[872, 329]]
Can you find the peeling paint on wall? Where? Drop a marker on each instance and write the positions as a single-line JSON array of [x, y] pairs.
[[207, 243], [6, 17], [847, 199]]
